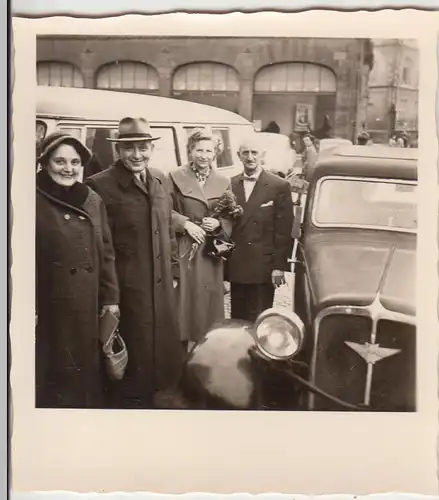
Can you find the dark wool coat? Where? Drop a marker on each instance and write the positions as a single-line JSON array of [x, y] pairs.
[[201, 292], [144, 243], [75, 276], [263, 233]]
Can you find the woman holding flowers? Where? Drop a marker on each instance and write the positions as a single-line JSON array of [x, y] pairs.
[[196, 191]]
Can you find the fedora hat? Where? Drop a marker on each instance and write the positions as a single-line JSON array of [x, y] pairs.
[[133, 130]]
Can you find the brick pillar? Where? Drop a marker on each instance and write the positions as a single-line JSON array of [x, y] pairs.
[[345, 106], [88, 68], [245, 106], [165, 81]]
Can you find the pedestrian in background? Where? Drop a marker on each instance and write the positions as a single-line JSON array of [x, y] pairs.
[[196, 189], [75, 279], [262, 235], [139, 212], [363, 138], [309, 155]]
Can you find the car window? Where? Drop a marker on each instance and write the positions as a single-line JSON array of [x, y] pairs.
[[222, 134], [367, 203]]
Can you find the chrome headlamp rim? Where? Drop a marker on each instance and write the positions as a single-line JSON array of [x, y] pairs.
[[290, 317]]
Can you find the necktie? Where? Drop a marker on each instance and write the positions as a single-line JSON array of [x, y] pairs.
[[143, 177], [250, 179]]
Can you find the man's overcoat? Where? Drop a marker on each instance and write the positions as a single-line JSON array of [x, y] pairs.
[[140, 222]]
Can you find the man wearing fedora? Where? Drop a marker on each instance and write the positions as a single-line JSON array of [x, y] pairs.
[[139, 212]]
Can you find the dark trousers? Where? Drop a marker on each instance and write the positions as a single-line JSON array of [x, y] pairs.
[[248, 301]]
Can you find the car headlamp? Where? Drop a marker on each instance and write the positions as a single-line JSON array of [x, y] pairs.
[[279, 333]]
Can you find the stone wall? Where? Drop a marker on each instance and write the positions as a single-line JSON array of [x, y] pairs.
[[246, 55]]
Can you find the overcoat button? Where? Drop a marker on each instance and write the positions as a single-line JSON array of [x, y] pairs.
[[156, 231], [73, 270], [67, 216], [159, 281], [89, 269]]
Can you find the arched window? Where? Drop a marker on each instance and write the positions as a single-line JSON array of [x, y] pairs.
[[205, 77], [128, 76], [59, 74], [295, 77]]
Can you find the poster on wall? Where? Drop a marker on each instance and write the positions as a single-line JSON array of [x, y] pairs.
[[304, 119]]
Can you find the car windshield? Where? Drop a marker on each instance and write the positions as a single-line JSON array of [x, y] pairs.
[[366, 203]]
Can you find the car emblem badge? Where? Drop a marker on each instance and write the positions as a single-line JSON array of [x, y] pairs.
[[371, 353]]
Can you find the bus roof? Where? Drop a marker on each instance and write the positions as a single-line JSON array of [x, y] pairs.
[[90, 104], [369, 161]]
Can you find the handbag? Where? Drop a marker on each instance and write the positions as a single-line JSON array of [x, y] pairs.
[[113, 346], [219, 245]]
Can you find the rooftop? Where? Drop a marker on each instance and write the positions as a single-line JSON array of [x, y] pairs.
[[91, 104], [369, 161]]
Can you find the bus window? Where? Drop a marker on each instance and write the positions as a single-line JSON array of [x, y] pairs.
[[97, 143], [224, 158], [164, 157], [40, 131], [75, 132]]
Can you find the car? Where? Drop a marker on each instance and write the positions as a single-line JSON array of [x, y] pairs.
[[355, 271]]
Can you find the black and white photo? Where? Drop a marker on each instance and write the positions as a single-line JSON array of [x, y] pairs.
[[311, 306], [225, 253]]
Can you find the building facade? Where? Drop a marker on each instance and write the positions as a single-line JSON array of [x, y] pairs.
[[285, 81], [393, 88]]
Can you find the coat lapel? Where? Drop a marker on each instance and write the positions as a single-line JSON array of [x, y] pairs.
[[238, 189], [187, 183], [215, 185], [140, 185]]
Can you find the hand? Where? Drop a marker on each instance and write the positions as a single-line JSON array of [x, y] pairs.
[[195, 232], [210, 224], [113, 308], [175, 283], [278, 278]]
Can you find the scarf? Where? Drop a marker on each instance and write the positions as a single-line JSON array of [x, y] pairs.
[[74, 195], [201, 176]]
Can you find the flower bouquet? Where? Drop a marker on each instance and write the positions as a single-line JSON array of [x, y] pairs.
[[219, 243]]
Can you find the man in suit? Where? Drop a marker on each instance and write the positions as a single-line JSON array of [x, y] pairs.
[[262, 235], [139, 215]]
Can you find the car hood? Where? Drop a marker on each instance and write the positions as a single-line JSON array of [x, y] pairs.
[[347, 270]]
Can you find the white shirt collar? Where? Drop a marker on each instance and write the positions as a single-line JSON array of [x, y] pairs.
[[254, 175]]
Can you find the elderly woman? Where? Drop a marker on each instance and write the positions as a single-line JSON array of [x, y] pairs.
[[195, 190], [76, 279]]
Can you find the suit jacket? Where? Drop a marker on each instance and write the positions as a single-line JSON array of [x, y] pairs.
[[263, 233]]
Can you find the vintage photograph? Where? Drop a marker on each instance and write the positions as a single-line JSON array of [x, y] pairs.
[[226, 223]]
